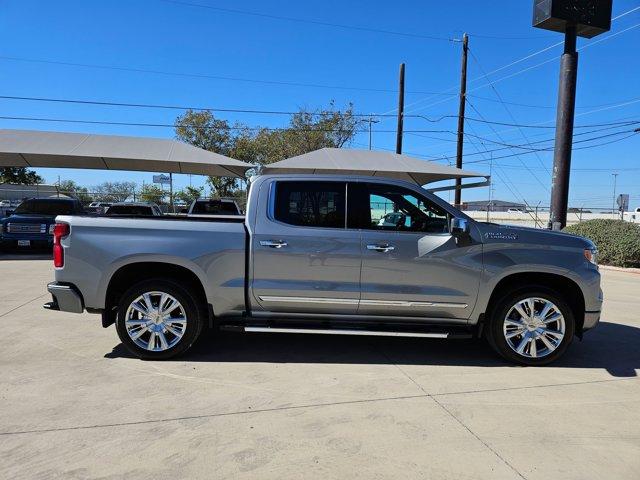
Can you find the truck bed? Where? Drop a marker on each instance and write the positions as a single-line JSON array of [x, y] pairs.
[[211, 247]]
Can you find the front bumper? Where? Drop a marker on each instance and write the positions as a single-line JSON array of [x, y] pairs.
[[66, 298], [591, 320]]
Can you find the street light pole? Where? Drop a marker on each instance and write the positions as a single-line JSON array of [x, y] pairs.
[[371, 120]]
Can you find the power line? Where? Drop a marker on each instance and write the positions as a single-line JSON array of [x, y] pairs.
[[526, 57], [546, 107], [178, 107], [172, 125], [309, 22], [209, 76], [341, 25], [270, 112], [517, 155], [499, 97]]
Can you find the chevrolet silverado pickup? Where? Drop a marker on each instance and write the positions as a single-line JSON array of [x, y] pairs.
[[329, 254]]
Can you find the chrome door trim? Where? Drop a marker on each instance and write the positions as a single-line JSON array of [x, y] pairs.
[[409, 303], [323, 300], [355, 301]]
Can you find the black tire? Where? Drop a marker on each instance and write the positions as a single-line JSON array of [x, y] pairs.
[[497, 318], [193, 311]]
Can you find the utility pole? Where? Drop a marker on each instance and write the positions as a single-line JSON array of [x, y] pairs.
[[461, 108], [400, 110], [371, 120], [613, 207]]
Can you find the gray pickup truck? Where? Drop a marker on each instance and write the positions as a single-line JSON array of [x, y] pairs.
[[329, 254]]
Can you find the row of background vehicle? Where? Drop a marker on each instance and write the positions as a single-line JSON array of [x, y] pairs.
[[30, 224]]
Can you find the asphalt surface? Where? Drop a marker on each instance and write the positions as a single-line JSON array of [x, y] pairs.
[[74, 404]]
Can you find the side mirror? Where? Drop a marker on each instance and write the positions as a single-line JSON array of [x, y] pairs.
[[459, 227]]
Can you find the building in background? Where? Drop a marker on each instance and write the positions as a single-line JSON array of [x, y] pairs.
[[492, 206], [17, 193]]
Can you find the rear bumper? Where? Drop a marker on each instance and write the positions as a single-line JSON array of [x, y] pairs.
[[35, 241], [66, 298]]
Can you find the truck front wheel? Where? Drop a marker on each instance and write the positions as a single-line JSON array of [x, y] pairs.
[[532, 326], [158, 319]]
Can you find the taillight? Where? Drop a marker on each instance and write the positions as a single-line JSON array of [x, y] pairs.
[[60, 231]]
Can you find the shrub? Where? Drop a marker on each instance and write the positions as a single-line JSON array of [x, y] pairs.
[[618, 241]]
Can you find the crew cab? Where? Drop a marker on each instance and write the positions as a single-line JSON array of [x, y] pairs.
[[31, 223], [321, 254]]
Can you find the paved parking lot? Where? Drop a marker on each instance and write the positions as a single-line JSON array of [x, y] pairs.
[[74, 404]]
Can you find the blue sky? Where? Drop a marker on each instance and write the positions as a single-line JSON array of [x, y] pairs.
[[334, 63]]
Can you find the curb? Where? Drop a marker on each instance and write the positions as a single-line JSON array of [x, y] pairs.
[[620, 269]]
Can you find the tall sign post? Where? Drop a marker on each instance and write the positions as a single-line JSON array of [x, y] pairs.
[[574, 18]]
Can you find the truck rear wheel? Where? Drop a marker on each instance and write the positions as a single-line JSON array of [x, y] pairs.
[[532, 326], [158, 319]]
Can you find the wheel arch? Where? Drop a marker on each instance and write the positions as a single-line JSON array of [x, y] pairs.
[[132, 273], [564, 286]]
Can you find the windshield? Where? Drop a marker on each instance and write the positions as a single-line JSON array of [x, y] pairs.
[[45, 207], [215, 207]]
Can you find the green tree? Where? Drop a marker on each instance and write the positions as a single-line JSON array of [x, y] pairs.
[[306, 131], [19, 175], [189, 194], [151, 193], [114, 191], [223, 186], [72, 189]]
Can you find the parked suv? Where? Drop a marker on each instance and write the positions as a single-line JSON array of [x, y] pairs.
[[31, 223]]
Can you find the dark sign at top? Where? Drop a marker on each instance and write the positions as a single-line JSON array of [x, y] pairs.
[[591, 17]]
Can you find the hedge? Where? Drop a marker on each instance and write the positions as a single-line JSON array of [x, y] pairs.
[[618, 241]]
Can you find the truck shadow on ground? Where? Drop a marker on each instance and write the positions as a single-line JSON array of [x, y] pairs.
[[612, 347]]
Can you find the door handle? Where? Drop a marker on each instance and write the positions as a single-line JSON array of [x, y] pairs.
[[381, 247], [273, 243]]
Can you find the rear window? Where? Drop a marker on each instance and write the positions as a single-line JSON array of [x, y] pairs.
[[215, 207], [46, 207], [129, 210], [311, 204]]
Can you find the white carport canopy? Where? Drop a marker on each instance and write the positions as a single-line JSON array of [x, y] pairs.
[[342, 161], [30, 148]]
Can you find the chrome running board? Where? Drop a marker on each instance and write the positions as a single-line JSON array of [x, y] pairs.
[[340, 331]]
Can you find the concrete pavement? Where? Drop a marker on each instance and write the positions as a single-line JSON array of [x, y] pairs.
[[74, 404]]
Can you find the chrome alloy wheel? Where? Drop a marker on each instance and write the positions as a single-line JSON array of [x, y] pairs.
[[155, 321], [534, 327]]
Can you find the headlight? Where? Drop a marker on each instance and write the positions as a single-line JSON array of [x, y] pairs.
[[591, 254], [51, 227]]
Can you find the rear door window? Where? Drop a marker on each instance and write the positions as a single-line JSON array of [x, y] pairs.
[[310, 204]]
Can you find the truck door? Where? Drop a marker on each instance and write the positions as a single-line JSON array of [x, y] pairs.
[[411, 265], [304, 258]]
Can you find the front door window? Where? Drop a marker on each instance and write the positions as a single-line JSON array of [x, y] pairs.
[[397, 209]]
